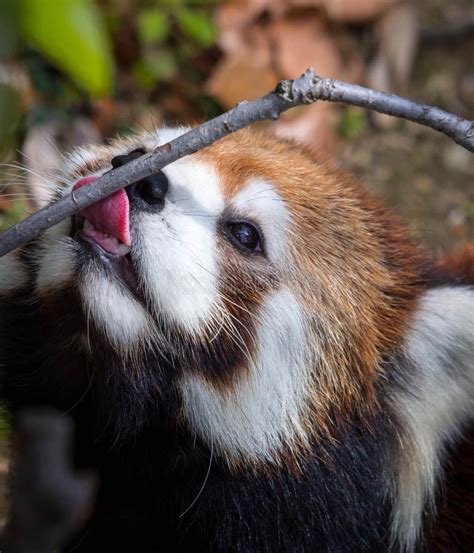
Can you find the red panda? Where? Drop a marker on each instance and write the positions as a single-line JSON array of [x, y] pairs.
[[256, 355]]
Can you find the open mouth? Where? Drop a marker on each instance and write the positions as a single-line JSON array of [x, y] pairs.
[[104, 230]]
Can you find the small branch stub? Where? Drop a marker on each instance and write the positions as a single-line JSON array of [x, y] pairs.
[[288, 94]]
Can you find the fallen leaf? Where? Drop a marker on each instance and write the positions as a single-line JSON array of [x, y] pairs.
[[355, 11], [391, 68], [5, 202], [302, 41], [313, 125], [241, 77]]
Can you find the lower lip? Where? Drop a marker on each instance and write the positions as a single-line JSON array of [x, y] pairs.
[[120, 265]]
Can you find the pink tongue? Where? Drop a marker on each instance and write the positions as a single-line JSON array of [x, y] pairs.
[[109, 217]]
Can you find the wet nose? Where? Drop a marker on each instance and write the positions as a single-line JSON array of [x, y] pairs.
[[148, 193]]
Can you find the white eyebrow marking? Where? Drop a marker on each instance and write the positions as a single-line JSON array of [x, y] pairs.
[[260, 201], [263, 412]]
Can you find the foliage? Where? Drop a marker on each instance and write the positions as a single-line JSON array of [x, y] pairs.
[[75, 51], [12, 215], [351, 123], [64, 59], [72, 36]]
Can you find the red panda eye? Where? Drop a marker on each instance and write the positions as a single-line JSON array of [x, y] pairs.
[[245, 236]]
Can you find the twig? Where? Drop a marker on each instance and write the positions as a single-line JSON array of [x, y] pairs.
[[288, 94], [48, 499]]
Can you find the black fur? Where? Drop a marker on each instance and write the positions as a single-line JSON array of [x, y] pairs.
[[162, 489], [152, 469]]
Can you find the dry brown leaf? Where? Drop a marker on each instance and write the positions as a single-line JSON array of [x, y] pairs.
[[356, 11], [240, 13], [5, 203], [397, 34], [293, 35], [243, 77], [302, 41], [313, 125], [233, 19], [105, 115]]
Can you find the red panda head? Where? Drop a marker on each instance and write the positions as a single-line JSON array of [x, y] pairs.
[[274, 282], [266, 294]]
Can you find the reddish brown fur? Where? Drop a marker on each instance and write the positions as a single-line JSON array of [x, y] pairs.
[[459, 265], [358, 274]]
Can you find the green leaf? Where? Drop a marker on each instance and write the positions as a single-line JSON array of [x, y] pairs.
[[352, 123], [145, 78], [71, 35], [8, 28], [10, 110], [156, 66], [196, 25], [152, 26], [12, 216]]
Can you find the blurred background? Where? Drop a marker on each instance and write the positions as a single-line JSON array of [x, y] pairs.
[[79, 71]]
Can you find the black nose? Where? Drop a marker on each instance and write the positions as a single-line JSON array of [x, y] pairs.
[[148, 193]]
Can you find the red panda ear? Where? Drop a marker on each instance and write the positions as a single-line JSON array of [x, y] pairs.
[[436, 398]]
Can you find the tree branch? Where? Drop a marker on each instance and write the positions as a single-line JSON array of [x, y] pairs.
[[288, 94], [48, 500]]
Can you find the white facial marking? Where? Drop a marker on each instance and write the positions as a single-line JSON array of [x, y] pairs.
[[57, 265], [438, 402], [259, 201], [57, 261], [164, 135], [80, 158], [13, 274], [263, 411], [58, 231], [177, 246], [120, 317]]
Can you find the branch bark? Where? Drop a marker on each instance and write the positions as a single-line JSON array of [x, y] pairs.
[[288, 94]]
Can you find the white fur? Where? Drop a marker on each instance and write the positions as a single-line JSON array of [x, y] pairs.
[[57, 265], [439, 400], [58, 231], [120, 317], [164, 135], [175, 250], [13, 274], [263, 411], [177, 247], [78, 159], [57, 260], [260, 202]]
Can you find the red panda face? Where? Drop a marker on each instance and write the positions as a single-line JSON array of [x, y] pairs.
[[254, 300], [246, 265], [204, 282]]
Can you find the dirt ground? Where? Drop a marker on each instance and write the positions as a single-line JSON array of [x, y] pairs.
[[421, 174]]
